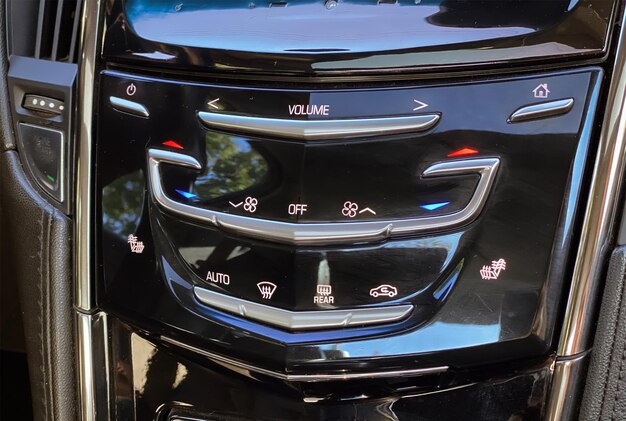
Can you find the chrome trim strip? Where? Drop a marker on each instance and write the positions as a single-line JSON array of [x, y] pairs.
[[126, 106], [600, 216], [328, 233], [83, 295], [313, 377], [302, 320], [565, 391], [86, 375], [93, 368], [543, 110], [595, 243], [91, 337], [318, 129]]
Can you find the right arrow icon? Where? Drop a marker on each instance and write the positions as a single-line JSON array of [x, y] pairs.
[[420, 105]]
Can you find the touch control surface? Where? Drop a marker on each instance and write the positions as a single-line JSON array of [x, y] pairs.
[[167, 182]]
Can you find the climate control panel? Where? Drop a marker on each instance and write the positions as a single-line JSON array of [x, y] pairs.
[[338, 226]]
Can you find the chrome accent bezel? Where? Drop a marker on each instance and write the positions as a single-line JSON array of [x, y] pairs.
[[318, 129], [327, 233], [130, 107], [303, 320], [542, 110]]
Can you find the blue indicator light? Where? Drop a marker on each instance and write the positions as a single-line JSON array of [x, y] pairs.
[[433, 206], [186, 194]]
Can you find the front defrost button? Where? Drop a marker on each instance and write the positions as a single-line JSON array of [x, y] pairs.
[[43, 153]]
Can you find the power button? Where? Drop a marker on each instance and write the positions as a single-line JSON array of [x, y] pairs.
[[131, 89]]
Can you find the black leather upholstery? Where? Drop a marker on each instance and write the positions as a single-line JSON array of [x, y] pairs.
[[36, 257], [39, 259], [7, 141], [605, 392]]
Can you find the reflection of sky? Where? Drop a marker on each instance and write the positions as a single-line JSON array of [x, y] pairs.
[[308, 27]]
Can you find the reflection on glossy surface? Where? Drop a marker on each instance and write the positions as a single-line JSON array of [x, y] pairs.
[[300, 27], [355, 36], [122, 202], [233, 165], [153, 379]]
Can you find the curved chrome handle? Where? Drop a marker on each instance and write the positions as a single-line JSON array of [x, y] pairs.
[[318, 129], [328, 233]]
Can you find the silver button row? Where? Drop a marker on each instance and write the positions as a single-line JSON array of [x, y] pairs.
[[339, 129], [302, 320]]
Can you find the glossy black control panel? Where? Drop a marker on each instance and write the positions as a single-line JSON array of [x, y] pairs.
[[249, 236], [347, 37]]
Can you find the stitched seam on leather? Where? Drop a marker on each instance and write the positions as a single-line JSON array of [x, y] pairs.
[[49, 316], [41, 318], [620, 381], [612, 348]]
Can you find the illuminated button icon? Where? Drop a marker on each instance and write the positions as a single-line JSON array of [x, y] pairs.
[[213, 104], [297, 209], [350, 209], [172, 144], [463, 152], [541, 91], [186, 194], [136, 246], [131, 89], [420, 105], [324, 295], [434, 206], [218, 278], [266, 289], [493, 271], [384, 291], [367, 210], [250, 204]]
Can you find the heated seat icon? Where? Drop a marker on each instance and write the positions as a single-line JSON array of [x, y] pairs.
[[266, 289]]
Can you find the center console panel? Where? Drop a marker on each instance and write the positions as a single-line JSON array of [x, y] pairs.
[[436, 233], [341, 222]]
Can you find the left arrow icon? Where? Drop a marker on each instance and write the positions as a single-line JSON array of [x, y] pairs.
[[213, 104], [420, 105]]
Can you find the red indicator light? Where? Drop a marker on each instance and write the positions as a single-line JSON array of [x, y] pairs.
[[463, 152], [172, 144]]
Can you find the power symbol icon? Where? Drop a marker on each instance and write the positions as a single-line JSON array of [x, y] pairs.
[[131, 89]]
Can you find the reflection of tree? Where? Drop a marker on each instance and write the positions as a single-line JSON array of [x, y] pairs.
[[232, 166], [122, 203]]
